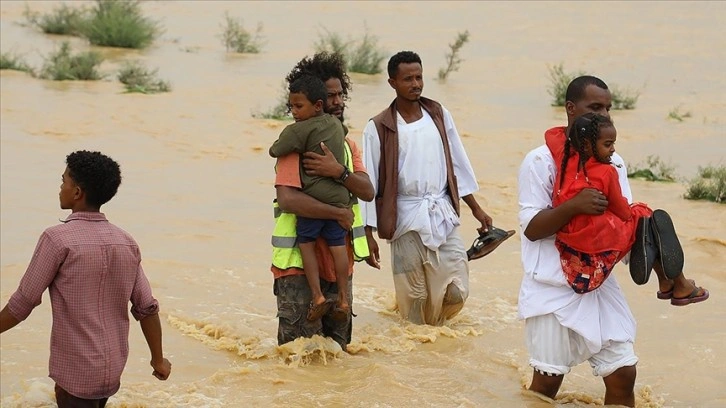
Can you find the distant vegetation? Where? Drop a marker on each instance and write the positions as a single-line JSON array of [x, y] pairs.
[[110, 23], [559, 80], [709, 184], [362, 56], [677, 115], [63, 20], [281, 110], [137, 78], [654, 169], [236, 38], [452, 57], [14, 62], [63, 65]]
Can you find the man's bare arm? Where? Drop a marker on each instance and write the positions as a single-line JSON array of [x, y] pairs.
[[548, 221], [295, 201]]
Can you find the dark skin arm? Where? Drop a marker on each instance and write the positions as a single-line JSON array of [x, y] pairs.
[[7, 321], [478, 213], [294, 201], [547, 222], [325, 165], [151, 326], [375, 259]]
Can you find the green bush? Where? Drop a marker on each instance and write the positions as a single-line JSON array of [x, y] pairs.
[[119, 23], [331, 42], [62, 65], [624, 99], [559, 80], [654, 169], [63, 20], [237, 39], [710, 184], [137, 78], [281, 110], [363, 56], [676, 114], [452, 57], [14, 62]]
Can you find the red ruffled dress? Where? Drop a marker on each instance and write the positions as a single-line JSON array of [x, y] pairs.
[[591, 245]]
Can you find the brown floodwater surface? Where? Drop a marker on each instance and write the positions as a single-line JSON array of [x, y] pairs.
[[198, 184]]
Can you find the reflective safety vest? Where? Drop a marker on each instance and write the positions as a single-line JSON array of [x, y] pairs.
[[285, 251]]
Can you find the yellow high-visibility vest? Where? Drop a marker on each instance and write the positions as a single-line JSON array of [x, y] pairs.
[[285, 251]]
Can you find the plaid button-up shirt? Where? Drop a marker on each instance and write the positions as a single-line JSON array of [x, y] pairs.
[[92, 269]]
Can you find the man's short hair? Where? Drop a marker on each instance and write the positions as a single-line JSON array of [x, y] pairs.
[[402, 57], [97, 174], [576, 89]]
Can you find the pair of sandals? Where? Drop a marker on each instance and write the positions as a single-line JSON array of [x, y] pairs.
[[656, 239], [316, 312], [487, 242]]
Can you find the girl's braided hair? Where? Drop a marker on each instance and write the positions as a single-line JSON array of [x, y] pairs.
[[583, 132]]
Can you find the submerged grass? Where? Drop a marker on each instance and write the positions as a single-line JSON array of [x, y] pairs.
[[14, 62], [281, 110], [110, 23], [622, 99], [119, 23], [362, 56], [452, 57], [709, 184], [654, 169], [63, 65], [62, 20], [236, 38], [137, 78]]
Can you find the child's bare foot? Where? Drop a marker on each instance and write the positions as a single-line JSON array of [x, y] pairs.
[[318, 310], [341, 312]]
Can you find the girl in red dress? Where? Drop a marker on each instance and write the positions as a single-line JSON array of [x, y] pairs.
[[590, 245]]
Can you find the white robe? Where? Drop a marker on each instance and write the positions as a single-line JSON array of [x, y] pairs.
[[598, 316], [423, 205]]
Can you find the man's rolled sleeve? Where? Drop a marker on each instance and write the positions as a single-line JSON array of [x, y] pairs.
[[41, 271], [143, 303]]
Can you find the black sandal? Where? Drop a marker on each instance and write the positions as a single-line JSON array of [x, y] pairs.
[[488, 242]]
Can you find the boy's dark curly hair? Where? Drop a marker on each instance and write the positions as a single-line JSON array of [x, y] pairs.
[[402, 57], [323, 65], [310, 86], [584, 132], [97, 174]]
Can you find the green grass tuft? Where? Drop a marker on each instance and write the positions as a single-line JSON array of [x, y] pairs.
[[363, 56], [119, 23], [281, 110], [137, 78], [710, 184], [14, 62], [62, 65], [625, 99], [62, 20], [676, 114], [654, 169], [559, 80], [236, 38], [452, 57]]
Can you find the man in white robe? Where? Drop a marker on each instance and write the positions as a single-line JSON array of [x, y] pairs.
[[564, 328], [429, 260]]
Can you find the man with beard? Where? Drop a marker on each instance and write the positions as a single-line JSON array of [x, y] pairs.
[[290, 285]]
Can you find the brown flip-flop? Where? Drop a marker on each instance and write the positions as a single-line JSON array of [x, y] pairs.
[[487, 242], [692, 298]]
